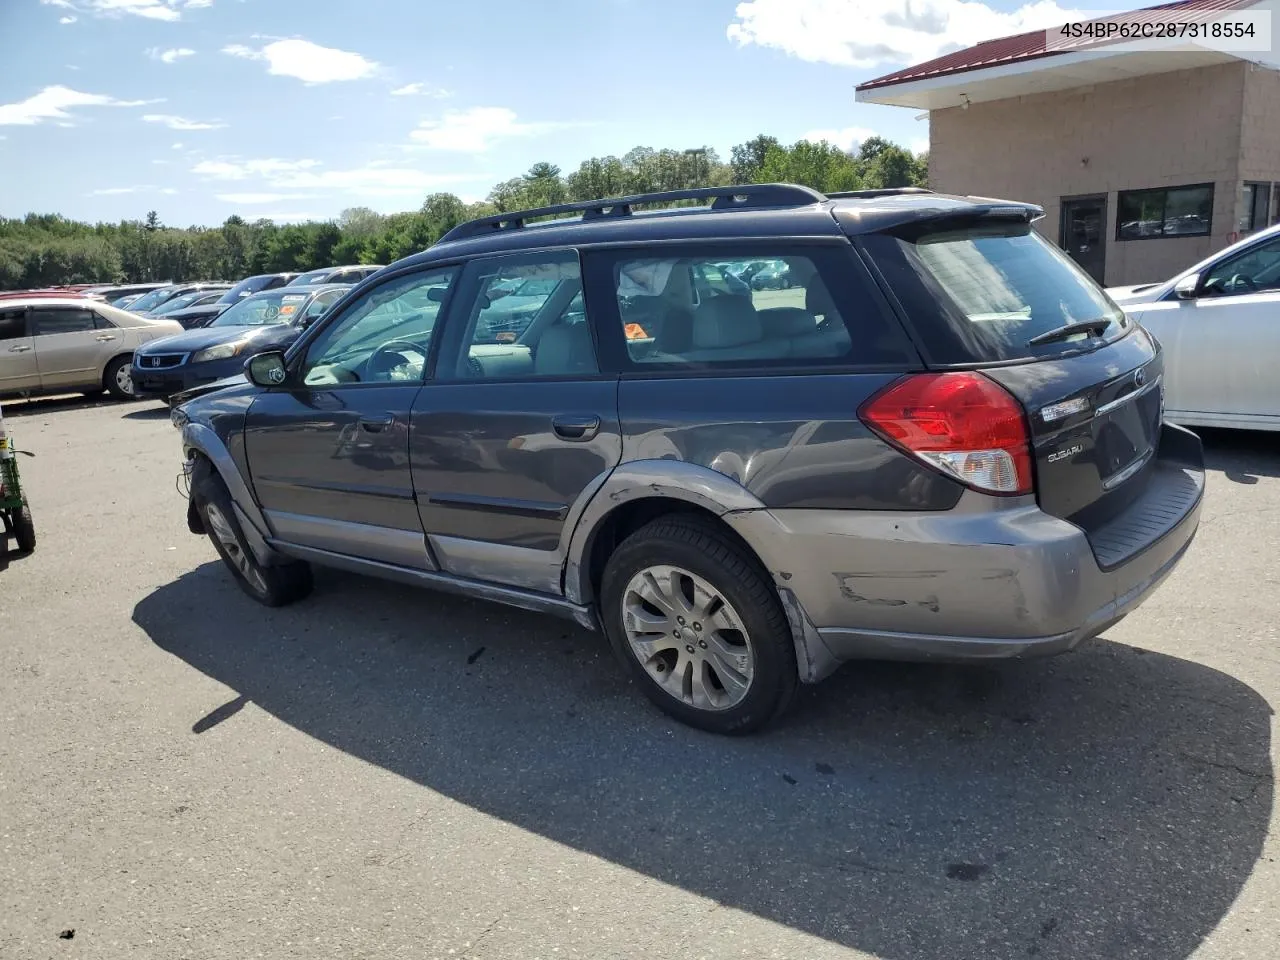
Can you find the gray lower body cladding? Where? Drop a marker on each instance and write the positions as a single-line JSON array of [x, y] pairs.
[[990, 579]]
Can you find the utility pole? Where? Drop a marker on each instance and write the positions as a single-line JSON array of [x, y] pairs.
[[699, 155]]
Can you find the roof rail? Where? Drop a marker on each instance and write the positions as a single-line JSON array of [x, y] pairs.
[[868, 194], [723, 198]]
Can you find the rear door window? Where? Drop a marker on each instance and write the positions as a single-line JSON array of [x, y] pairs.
[[983, 293], [13, 323], [747, 307], [55, 320]]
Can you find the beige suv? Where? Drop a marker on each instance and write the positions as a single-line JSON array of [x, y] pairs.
[[57, 345]]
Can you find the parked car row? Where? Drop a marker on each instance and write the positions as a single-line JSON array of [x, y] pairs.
[[84, 337], [270, 320]]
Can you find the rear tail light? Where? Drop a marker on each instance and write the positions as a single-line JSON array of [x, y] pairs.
[[961, 423]]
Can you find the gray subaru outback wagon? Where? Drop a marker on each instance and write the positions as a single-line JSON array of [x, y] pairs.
[[940, 440]]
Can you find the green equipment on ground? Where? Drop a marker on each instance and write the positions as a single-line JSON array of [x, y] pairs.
[[15, 514]]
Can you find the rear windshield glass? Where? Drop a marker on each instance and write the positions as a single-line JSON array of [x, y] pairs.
[[984, 293]]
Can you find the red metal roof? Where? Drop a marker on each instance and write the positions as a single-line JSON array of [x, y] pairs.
[[1031, 46]]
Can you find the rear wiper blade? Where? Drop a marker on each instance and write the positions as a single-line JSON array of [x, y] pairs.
[[1070, 329]]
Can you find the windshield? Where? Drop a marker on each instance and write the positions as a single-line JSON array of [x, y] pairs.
[[149, 301], [273, 306], [184, 300], [244, 288], [315, 276], [981, 293]]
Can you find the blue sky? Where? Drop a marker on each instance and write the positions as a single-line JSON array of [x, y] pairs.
[[300, 108]]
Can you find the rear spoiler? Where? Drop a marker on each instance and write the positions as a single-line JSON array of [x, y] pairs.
[[890, 213]]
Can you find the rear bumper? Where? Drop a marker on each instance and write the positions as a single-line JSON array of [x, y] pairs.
[[989, 579]]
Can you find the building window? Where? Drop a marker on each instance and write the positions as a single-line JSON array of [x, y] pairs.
[[1257, 205], [1166, 212]]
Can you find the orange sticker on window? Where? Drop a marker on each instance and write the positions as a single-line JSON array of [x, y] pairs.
[[287, 309], [635, 332]]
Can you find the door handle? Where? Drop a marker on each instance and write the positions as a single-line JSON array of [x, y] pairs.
[[376, 423], [575, 428], [103, 338], [19, 349]]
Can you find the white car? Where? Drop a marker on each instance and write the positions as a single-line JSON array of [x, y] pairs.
[[71, 344], [1219, 323]]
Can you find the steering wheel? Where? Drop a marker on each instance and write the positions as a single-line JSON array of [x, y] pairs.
[[375, 365], [1242, 280]]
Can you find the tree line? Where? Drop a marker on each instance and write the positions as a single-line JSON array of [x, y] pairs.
[[48, 249]]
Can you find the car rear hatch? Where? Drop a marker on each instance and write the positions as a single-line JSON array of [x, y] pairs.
[[979, 290]]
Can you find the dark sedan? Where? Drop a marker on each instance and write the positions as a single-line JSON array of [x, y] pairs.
[[269, 320]]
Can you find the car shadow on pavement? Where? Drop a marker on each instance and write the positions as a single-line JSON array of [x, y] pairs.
[[55, 404], [1242, 455], [148, 412], [1108, 803]]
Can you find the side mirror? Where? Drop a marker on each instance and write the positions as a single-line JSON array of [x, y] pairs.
[[267, 369], [1186, 288]]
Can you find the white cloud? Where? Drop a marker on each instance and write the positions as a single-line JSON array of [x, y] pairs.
[[475, 130], [846, 138], [65, 20], [919, 145], [251, 198], [243, 169], [52, 103], [181, 123], [172, 55], [168, 10], [422, 90], [306, 61], [869, 33], [372, 180], [378, 179], [177, 146], [117, 191]]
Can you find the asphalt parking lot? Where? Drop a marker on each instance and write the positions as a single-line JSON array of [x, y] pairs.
[[383, 772]]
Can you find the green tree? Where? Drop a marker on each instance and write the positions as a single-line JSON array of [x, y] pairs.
[[543, 186], [747, 159], [443, 212], [822, 166], [891, 167]]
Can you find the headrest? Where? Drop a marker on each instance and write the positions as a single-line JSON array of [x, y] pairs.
[[818, 301], [781, 322], [564, 349], [725, 321]]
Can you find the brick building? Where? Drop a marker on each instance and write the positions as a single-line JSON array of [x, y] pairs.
[[1144, 162]]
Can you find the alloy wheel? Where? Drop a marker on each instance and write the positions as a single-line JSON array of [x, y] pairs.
[[226, 535], [688, 637]]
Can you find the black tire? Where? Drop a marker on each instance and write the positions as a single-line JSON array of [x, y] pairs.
[[272, 586], [701, 548], [24, 529], [111, 378]]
